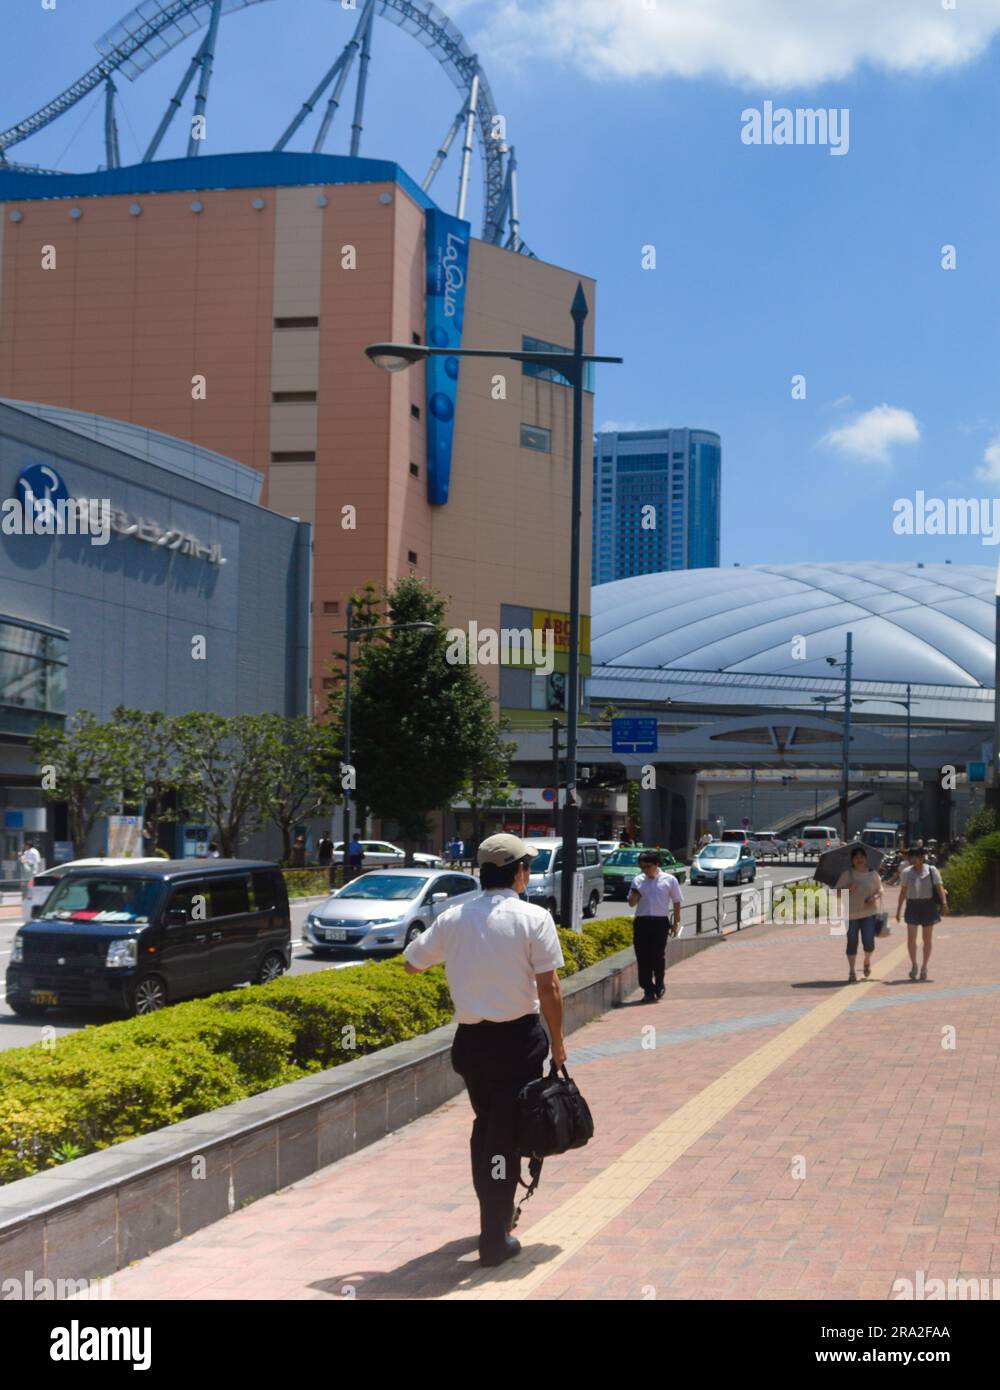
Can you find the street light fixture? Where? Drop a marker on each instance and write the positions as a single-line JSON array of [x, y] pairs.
[[351, 632], [396, 357]]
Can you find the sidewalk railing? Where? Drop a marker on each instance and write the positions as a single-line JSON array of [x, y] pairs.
[[744, 908]]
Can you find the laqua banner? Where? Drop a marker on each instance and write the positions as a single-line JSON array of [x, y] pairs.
[[447, 272]]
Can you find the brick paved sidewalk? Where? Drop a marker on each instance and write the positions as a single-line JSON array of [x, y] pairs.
[[764, 1132]]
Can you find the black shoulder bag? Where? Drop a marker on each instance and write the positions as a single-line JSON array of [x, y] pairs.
[[551, 1118]]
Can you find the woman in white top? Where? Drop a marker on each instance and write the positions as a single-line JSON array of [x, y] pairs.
[[922, 891], [864, 903]]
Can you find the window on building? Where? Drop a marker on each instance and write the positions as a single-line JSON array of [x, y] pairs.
[[414, 470], [291, 397], [294, 456], [411, 556], [300, 322], [415, 411], [534, 437], [331, 605], [543, 373]]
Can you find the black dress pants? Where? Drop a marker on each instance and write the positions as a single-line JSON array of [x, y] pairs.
[[649, 935], [495, 1060]]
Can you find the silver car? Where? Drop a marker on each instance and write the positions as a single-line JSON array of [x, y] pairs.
[[380, 854], [384, 910]]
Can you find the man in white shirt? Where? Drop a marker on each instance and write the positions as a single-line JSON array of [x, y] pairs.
[[654, 895], [501, 956]]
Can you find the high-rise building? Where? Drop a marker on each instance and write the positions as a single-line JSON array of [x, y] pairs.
[[656, 502], [228, 300]]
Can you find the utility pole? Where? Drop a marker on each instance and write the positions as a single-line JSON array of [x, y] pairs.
[[556, 730], [845, 786]]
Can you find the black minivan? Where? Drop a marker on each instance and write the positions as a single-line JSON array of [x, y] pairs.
[[139, 937]]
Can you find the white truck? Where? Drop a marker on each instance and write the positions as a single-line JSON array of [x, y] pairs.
[[881, 834]]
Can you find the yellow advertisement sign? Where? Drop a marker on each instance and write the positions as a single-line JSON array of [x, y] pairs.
[[549, 619]]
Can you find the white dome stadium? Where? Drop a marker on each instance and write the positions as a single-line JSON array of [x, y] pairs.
[[929, 625]]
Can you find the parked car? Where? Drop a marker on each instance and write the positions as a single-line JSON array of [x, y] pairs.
[[621, 867], [384, 910], [545, 881], [141, 935], [37, 889], [381, 854], [817, 839], [735, 860]]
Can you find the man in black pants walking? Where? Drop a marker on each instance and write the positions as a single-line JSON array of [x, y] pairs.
[[501, 956], [654, 895]]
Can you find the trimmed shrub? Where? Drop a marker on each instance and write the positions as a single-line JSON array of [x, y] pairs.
[[972, 877], [115, 1081], [984, 822]]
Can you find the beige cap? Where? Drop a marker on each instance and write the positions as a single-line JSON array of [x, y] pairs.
[[503, 850]]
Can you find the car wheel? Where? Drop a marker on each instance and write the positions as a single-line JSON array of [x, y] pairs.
[[412, 932], [753, 875], [592, 904], [27, 1010], [147, 996], [271, 967]]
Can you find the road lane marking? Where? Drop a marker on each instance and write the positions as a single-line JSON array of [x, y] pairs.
[[576, 1221]]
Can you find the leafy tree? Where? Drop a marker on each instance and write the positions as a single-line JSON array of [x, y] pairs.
[[150, 768], [302, 777], [419, 722], [230, 761], [79, 765]]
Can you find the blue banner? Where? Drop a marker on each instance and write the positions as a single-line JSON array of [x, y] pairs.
[[447, 272]]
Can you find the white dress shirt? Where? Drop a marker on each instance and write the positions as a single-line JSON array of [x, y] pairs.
[[492, 947], [656, 895]]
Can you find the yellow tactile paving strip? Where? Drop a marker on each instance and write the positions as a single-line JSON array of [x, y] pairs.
[[558, 1236]]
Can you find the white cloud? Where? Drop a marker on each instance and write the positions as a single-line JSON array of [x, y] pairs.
[[871, 435], [776, 43], [990, 472]]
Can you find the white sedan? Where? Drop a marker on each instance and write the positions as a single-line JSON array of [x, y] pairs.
[[379, 854]]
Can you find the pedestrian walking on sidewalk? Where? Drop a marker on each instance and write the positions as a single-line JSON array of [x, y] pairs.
[[501, 956], [864, 904], [925, 899], [656, 897]]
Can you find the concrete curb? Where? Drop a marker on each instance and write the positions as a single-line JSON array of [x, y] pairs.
[[90, 1217]]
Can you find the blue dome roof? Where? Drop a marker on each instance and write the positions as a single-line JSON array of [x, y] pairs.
[[927, 624]]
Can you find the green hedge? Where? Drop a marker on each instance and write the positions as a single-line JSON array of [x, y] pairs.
[[307, 883], [104, 1084], [971, 877]]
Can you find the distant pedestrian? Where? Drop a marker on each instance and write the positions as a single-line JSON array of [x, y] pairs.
[[864, 904], [213, 850], [656, 896], [356, 855], [925, 899], [501, 956], [298, 855], [30, 859], [324, 852]]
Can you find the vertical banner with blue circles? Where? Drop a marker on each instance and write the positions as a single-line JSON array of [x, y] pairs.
[[447, 272]]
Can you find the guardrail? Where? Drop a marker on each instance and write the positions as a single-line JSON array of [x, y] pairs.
[[744, 908]]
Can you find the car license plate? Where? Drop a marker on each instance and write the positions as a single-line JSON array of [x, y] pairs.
[[44, 996], [336, 935]]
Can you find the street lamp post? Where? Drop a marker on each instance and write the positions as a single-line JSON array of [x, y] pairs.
[[395, 357], [350, 632], [907, 704]]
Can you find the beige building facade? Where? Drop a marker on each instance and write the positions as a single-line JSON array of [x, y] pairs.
[[235, 314]]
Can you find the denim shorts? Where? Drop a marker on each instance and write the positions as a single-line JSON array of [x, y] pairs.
[[866, 926]]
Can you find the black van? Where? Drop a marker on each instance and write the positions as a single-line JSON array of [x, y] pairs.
[[139, 937]]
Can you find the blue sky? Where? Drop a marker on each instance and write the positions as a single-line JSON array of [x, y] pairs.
[[770, 261]]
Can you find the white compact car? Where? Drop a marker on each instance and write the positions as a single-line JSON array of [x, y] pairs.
[[37, 889], [379, 854]]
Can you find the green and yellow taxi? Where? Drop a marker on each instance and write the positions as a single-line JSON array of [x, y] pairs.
[[622, 865]]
